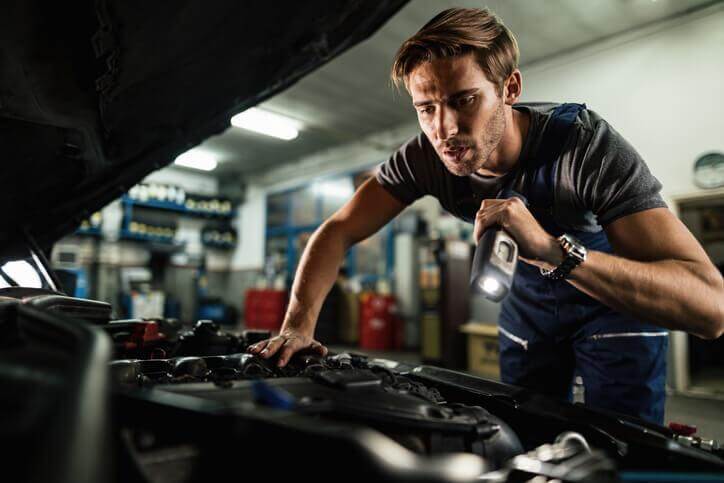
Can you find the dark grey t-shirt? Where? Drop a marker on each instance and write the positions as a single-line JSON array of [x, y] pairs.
[[599, 177]]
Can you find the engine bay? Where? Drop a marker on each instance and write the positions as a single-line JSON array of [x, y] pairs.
[[150, 400]]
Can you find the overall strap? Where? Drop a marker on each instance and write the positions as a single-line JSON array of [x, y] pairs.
[[529, 177], [559, 126], [541, 170]]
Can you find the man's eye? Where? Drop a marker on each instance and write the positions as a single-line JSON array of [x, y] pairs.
[[425, 110], [467, 100]]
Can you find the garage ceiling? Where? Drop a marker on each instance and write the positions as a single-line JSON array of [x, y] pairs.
[[351, 97]]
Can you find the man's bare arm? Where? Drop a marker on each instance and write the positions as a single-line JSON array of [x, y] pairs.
[[659, 272], [370, 209]]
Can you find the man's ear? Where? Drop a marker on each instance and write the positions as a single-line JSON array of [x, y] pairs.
[[513, 87]]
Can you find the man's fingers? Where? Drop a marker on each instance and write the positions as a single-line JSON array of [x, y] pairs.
[[318, 348], [256, 348], [491, 210], [486, 218], [272, 347], [291, 347], [286, 346], [489, 203], [284, 356]]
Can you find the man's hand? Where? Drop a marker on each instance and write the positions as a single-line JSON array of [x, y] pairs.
[[535, 245], [371, 208], [289, 342]]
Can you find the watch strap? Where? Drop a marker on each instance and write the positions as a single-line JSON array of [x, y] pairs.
[[575, 254]]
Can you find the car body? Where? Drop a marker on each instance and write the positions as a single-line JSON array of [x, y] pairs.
[[96, 95]]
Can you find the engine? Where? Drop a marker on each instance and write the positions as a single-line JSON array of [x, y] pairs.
[[152, 401]]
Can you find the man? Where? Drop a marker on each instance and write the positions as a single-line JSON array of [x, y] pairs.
[[606, 268]]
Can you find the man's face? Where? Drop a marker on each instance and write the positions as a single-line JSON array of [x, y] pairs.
[[460, 111]]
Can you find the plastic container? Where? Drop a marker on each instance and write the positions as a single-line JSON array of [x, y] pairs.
[[380, 325], [264, 309]]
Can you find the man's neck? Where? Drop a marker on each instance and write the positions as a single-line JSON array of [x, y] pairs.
[[506, 155]]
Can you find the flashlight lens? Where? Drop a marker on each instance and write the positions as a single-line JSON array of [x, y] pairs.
[[491, 286]]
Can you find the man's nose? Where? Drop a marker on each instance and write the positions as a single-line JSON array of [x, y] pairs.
[[446, 124]]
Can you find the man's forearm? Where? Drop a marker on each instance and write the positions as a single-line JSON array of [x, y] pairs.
[[315, 276], [676, 294]]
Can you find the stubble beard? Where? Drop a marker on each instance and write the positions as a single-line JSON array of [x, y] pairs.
[[489, 140]]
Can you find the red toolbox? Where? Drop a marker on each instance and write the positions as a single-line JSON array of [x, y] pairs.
[[264, 309]]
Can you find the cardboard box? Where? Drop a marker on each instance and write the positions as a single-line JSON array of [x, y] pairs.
[[483, 350]]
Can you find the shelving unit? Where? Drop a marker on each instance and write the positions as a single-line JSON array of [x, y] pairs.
[[95, 232], [220, 239], [130, 203], [131, 236], [216, 209], [158, 226], [91, 226]]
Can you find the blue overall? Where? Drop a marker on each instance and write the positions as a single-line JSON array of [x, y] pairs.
[[550, 330]]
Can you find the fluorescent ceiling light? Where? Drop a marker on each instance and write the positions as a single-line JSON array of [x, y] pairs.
[[197, 159], [265, 122]]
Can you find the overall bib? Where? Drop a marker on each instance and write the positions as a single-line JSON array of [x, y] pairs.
[[550, 331]]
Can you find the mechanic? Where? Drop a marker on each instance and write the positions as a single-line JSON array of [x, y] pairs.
[[587, 191]]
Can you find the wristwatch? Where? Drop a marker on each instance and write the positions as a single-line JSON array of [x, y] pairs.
[[575, 254]]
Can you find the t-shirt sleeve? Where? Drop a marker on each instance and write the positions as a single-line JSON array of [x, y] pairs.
[[614, 180], [403, 174]]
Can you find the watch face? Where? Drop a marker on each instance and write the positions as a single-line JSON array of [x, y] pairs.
[[709, 171], [577, 249], [572, 240]]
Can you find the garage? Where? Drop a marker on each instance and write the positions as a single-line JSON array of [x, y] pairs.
[[380, 241]]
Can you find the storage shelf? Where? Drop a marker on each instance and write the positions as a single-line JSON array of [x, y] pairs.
[[219, 246], [174, 207], [89, 232], [153, 239]]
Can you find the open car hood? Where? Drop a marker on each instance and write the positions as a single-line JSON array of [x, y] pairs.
[[96, 95]]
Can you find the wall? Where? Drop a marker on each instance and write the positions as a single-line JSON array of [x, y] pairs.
[[251, 227], [660, 87]]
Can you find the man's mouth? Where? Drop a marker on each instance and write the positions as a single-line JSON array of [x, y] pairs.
[[456, 153]]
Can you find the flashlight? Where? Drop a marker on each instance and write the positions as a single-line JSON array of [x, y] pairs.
[[496, 257], [494, 264]]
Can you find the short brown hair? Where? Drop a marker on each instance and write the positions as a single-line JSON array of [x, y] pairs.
[[458, 31]]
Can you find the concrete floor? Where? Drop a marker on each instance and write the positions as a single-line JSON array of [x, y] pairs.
[[707, 414], [704, 413]]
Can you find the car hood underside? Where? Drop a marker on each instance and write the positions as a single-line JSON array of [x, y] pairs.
[[96, 95]]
